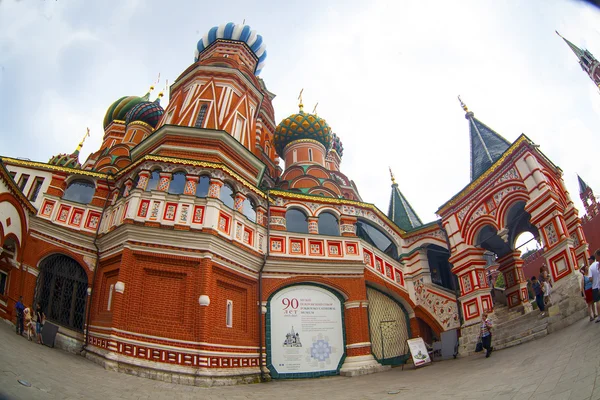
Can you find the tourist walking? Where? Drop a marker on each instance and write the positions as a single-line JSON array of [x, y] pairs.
[[586, 292], [486, 334], [19, 307], [39, 322], [539, 294], [594, 273]]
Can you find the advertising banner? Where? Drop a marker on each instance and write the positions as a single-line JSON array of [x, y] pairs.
[[418, 351], [306, 331]]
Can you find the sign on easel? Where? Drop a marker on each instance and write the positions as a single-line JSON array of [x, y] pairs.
[[418, 351]]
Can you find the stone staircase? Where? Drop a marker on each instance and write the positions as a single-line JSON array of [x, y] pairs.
[[513, 327]]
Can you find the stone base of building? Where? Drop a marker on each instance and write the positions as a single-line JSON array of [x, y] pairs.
[[69, 340], [567, 306], [172, 373], [361, 365]]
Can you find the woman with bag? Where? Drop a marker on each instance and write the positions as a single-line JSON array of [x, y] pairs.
[[486, 334]]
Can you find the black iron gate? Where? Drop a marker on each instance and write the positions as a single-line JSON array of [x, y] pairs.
[[62, 291]]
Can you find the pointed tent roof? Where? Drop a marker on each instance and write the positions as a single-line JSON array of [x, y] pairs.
[[487, 146], [582, 185], [400, 210], [578, 52]]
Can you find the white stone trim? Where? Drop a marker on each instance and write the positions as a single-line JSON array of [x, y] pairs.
[[173, 340], [358, 345], [352, 304]]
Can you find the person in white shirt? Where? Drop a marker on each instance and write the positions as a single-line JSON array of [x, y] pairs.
[[594, 273]]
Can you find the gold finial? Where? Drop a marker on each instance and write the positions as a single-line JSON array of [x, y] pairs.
[[463, 105], [80, 145], [162, 92], [315, 109], [392, 175], [300, 105], [155, 83]]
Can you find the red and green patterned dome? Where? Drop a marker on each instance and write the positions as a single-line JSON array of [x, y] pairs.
[[301, 126], [66, 160], [337, 145], [149, 112], [119, 109]]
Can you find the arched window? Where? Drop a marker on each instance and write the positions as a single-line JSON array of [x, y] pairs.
[[249, 209], [134, 185], [227, 195], [121, 191], [202, 186], [296, 221], [153, 181], [439, 267], [328, 224], [200, 118], [177, 184], [80, 191], [376, 237], [62, 291]]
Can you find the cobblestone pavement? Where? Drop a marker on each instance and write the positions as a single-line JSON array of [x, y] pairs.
[[563, 365]]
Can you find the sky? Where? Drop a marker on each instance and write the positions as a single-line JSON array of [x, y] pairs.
[[386, 75]]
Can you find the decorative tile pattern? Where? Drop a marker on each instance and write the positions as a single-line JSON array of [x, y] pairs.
[[248, 236], [379, 265], [155, 207], [313, 226], [190, 187], [551, 234], [93, 220], [334, 250], [124, 215], [351, 248], [143, 211], [276, 245], [142, 182], [47, 208], [184, 213], [198, 214], [466, 281], [222, 223], [214, 190], [296, 247], [348, 228], [76, 217], [398, 277], [315, 248], [63, 213], [280, 221], [388, 271], [367, 258], [575, 239], [238, 203], [238, 231], [170, 211], [482, 280], [444, 309], [163, 184]]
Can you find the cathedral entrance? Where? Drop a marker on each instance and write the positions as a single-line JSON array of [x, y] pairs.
[[389, 328], [62, 291]]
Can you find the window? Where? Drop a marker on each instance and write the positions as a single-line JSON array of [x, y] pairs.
[[376, 237], [296, 221], [310, 155], [239, 127], [35, 189], [328, 224], [249, 209], [227, 195], [23, 181], [202, 187], [200, 118], [267, 148], [3, 283], [177, 185], [295, 156], [80, 191], [153, 181], [13, 174], [229, 314]]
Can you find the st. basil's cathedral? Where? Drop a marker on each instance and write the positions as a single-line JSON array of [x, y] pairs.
[[207, 243]]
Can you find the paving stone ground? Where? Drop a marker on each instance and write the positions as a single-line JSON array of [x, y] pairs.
[[563, 365]]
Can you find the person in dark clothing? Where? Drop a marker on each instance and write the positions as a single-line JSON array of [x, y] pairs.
[[539, 294], [486, 334], [20, 315]]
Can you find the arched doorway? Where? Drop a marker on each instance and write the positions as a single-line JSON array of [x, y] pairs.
[[62, 291], [389, 328]]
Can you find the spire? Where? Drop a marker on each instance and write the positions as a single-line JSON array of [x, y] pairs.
[[582, 185], [80, 145], [578, 52], [486, 145], [400, 210]]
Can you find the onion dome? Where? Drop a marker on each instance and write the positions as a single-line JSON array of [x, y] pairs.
[[301, 126], [239, 33], [119, 109], [66, 160], [149, 112], [336, 144]]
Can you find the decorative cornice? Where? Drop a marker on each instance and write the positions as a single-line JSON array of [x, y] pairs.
[[194, 163], [332, 200], [12, 186], [142, 123], [41, 165], [511, 150], [303, 141]]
